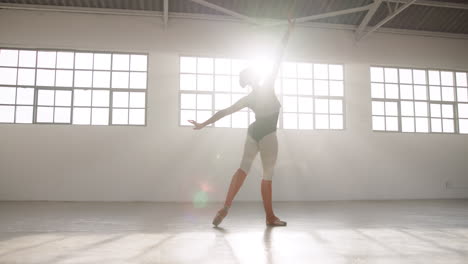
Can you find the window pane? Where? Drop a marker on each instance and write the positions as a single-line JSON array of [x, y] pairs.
[[407, 108], [64, 78], [391, 123], [27, 58], [448, 94], [62, 115], [391, 91], [7, 114], [45, 97], [321, 106], [422, 125], [447, 78], [187, 115], [25, 96], [102, 61], [137, 117], [83, 78], [8, 76], [120, 116], [63, 98], [138, 80], [419, 76], [7, 95], [120, 62], [46, 59], [336, 107], [463, 126], [434, 77], [204, 101], [223, 66], [289, 86], [377, 74], [391, 75], [378, 123], [100, 116], [420, 92], [461, 79], [81, 97], [120, 80], [120, 99], [188, 65], [290, 120], [138, 63], [435, 110], [222, 101], [306, 104], [289, 103], [321, 122], [377, 90], [406, 76], [205, 82], [435, 93], [378, 108], [188, 101], [448, 126], [420, 108], [447, 111], [462, 94], [84, 61], [436, 125], [45, 114], [306, 121], [336, 72], [137, 100], [305, 87], [406, 91], [65, 60], [320, 71], [100, 98], [336, 122], [336, 88], [188, 82], [24, 114], [205, 65], [8, 58], [321, 87], [45, 78], [391, 109], [407, 124], [101, 79], [223, 83], [463, 110], [304, 70]]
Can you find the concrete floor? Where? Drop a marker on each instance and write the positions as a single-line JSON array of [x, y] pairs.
[[417, 231]]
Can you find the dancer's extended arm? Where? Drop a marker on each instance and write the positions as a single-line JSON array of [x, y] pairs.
[[280, 51], [241, 103]]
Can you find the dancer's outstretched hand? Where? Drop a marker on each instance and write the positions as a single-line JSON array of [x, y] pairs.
[[198, 126]]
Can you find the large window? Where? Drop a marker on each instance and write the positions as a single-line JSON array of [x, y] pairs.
[[312, 95], [72, 87], [419, 100]]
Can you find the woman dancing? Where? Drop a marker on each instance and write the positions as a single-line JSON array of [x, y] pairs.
[[261, 136]]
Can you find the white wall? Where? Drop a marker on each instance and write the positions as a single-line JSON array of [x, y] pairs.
[[165, 162]]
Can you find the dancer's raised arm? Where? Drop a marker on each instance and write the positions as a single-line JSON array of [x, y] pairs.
[[241, 103], [280, 51]]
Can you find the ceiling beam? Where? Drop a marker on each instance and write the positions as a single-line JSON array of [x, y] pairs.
[[367, 18], [225, 11], [433, 4], [325, 15], [166, 13], [388, 18]]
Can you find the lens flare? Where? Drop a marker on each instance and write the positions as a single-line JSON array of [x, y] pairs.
[[200, 199]]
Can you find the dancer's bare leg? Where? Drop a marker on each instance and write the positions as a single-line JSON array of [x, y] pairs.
[[267, 199], [236, 183]]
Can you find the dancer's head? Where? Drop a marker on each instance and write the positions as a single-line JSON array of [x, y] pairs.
[[248, 76]]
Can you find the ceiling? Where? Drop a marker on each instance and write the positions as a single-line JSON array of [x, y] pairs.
[[424, 18]]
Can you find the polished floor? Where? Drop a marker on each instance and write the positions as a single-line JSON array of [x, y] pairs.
[[416, 231]]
